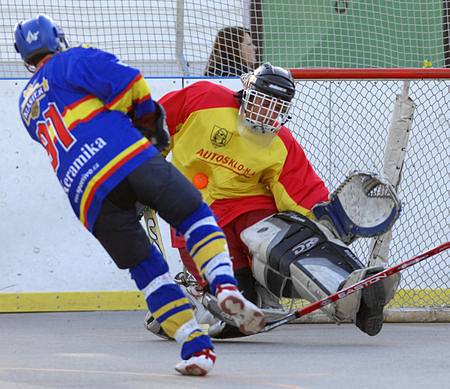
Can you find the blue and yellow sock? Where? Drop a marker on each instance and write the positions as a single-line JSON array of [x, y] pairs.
[[168, 305], [207, 246]]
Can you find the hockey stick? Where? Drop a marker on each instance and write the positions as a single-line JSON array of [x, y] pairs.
[[153, 231], [355, 287]]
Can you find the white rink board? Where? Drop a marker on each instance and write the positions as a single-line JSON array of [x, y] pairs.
[[44, 248]]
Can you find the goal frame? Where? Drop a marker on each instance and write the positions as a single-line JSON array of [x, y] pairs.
[[370, 74], [414, 314]]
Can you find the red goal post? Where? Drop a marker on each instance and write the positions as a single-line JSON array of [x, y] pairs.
[[371, 74], [396, 122]]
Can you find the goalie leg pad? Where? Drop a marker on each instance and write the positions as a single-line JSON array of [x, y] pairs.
[[347, 308], [322, 272], [329, 266], [390, 286], [369, 317], [260, 238], [296, 257]]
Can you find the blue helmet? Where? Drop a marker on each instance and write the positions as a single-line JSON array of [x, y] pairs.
[[38, 36]]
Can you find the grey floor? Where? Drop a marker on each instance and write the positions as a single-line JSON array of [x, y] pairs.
[[112, 350]]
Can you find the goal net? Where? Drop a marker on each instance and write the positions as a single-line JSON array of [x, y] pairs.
[[341, 118], [175, 37]]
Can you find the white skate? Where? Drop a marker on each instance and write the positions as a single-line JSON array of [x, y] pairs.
[[247, 316], [199, 364]]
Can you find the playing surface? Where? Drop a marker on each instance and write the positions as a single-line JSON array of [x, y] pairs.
[[113, 350]]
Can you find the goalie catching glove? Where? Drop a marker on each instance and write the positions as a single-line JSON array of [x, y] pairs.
[[154, 127], [364, 205]]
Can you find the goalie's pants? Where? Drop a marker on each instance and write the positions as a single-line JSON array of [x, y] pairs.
[[155, 183]]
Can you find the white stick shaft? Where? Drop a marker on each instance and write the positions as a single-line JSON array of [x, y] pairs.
[[394, 157]]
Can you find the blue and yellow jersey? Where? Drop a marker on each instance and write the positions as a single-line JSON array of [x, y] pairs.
[[76, 105], [240, 176]]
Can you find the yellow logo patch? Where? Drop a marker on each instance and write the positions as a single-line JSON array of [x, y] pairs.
[[31, 96], [220, 136]]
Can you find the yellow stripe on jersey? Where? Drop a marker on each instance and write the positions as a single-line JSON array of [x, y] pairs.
[[82, 111], [101, 173], [137, 91]]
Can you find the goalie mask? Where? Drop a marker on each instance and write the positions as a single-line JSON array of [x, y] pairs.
[[266, 101], [36, 37]]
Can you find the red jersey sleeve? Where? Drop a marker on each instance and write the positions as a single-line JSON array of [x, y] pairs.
[[296, 187], [174, 105]]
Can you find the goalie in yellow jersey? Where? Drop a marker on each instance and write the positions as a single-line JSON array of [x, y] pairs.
[[248, 166]]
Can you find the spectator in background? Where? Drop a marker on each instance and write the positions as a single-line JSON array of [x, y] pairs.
[[233, 53]]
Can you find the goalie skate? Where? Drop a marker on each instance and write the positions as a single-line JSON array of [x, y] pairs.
[[369, 317]]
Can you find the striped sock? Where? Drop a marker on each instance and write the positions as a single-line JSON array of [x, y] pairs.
[[168, 305], [207, 246]]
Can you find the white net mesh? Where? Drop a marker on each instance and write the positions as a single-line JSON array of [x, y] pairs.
[[353, 117], [175, 37]]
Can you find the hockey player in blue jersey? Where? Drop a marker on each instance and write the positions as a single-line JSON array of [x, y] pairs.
[[102, 131]]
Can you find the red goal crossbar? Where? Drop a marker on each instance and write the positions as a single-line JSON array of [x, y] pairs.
[[370, 73]]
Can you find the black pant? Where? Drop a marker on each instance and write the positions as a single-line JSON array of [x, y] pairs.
[[157, 184]]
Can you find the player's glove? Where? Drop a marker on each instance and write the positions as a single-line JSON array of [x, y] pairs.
[[154, 127], [364, 205]]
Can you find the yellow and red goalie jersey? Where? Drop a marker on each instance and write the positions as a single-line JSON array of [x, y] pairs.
[[241, 176]]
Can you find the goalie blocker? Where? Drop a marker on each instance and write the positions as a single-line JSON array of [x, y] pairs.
[[298, 258]]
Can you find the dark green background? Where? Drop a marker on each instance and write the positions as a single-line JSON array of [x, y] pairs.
[[378, 33]]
